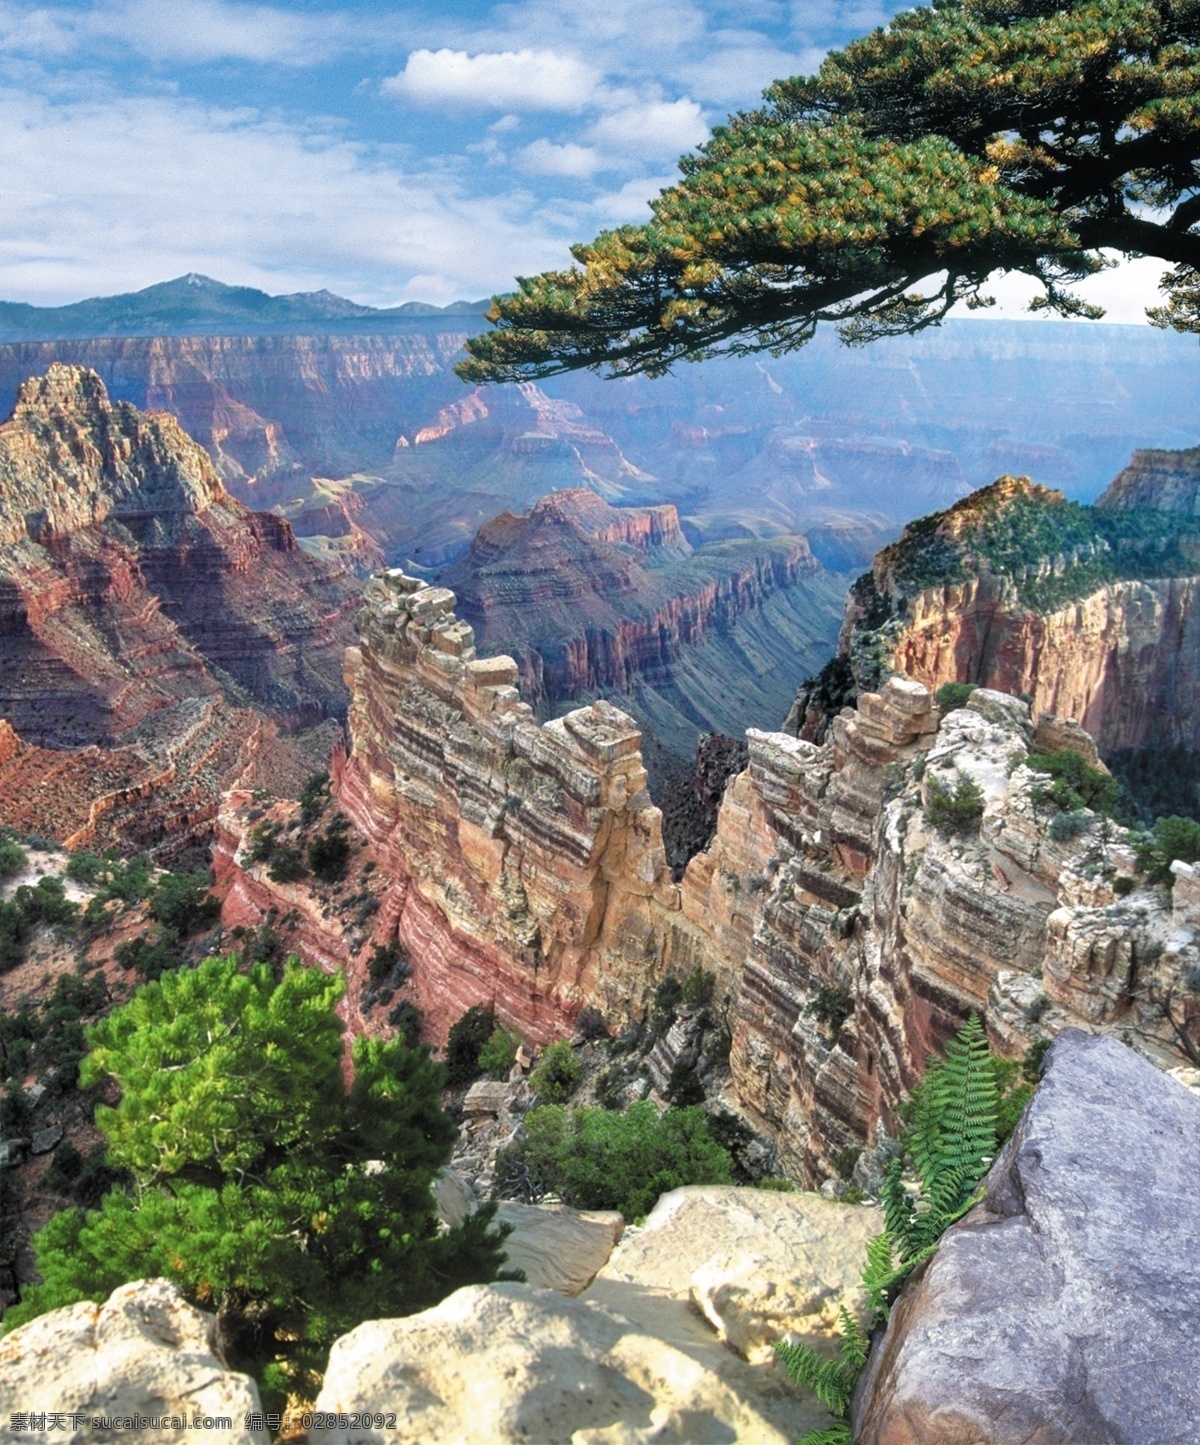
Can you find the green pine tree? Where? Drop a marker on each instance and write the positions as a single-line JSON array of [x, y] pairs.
[[964, 138], [266, 1186]]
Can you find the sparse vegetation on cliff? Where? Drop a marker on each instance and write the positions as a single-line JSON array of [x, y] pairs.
[[598, 1159], [1053, 551], [1074, 784], [956, 808]]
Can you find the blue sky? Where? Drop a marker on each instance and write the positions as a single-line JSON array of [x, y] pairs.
[[390, 153]]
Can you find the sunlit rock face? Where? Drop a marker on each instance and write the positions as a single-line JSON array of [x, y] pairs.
[[522, 866], [1016, 590]]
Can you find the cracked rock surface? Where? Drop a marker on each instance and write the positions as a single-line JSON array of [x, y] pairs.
[[1066, 1307]]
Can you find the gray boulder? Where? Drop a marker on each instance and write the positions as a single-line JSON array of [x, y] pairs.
[[1066, 1307]]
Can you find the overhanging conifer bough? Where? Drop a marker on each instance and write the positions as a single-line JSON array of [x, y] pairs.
[[970, 138]]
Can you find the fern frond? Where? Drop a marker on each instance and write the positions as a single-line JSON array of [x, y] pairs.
[[968, 1103], [897, 1206], [830, 1380], [856, 1343], [877, 1275], [838, 1434]]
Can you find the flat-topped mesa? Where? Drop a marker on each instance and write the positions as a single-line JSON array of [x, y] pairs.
[[525, 856], [70, 458]]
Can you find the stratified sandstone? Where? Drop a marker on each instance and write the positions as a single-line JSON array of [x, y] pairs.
[[615, 574], [1094, 613], [146, 614], [522, 865]]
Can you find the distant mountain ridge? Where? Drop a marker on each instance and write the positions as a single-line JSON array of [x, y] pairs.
[[197, 305]]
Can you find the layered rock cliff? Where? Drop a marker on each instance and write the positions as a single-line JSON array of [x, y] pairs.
[[522, 865], [145, 616], [593, 598], [1091, 612]]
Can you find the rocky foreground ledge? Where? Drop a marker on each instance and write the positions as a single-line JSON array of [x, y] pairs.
[[1064, 1309]]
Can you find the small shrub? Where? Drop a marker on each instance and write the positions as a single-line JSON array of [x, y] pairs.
[[65, 1168], [1065, 826], [148, 960], [667, 997], [684, 1087], [111, 877], [45, 901], [719, 1044], [955, 810], [609, 1088], [777, 1184], [313, 797], [14, 1109], [287, 864], [845, 1161], [1074, 784], [557, 1073], [182, 902], [465, 1043], [1174, 839], [328, 854], [385, 959], [1123, 885], [13, 859], [697, 990], [262, 843], [596, 1159], [1037, 1008], [590, 1024], [953, 695], [406, 1019], [499, 1054], [831, 1008]]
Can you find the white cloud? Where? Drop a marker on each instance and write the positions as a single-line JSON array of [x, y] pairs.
[[1124, 291], [183, 32], [655, 129], [631, 203], [545, 158], [113, 194], [735, 75], [500, 80]]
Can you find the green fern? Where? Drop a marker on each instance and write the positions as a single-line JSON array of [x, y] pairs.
[[951, 1143], [837, 1434]]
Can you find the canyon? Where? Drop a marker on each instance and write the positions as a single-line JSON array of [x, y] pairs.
[[592, 599], [521, 865], [159, 639], [1091, 613]]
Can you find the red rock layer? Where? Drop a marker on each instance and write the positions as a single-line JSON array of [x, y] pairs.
[[522, 865], [589, 597], [146, 613], [1124, 661]]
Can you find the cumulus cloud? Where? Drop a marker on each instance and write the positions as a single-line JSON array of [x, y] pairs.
[[499, 80], [655, 129], [631, 202], [545, 158]]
